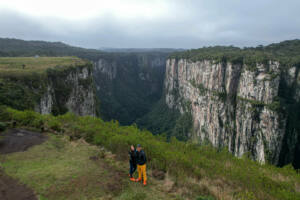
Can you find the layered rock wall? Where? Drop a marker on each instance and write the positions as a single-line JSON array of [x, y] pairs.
[[233, 105], [71, 90]]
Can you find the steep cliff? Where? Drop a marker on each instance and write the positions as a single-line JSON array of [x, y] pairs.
[[71, 90], [49, 85], [128, 84], [248, 108]]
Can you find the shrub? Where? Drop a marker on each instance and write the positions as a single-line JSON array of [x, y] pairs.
[[2, 126], [54, 125], [25, 118]]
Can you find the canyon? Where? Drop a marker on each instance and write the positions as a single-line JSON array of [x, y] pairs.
[[128, 84], [245, 101]]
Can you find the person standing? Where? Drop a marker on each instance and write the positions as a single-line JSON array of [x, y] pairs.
[[141, 165], [132, 162]]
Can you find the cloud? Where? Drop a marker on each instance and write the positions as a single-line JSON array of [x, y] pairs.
[[168, 23]]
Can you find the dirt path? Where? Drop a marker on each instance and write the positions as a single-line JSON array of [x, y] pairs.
[[16, 140]]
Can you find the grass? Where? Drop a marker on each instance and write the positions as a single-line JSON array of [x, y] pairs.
[[193, 170], [59, 169], [14, 65], [53, 167]]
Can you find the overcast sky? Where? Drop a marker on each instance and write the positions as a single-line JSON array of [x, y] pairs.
[[151, 23]]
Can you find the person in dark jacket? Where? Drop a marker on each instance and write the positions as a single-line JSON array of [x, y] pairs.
[[132, 162], [141, 164]]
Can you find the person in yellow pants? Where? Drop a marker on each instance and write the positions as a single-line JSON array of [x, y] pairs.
[[141, 165]]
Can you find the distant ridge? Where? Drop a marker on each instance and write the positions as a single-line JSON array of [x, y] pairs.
[[140, 50], [17, 47]]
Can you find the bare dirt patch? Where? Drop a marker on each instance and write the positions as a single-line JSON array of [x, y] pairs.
[[10, 189], [16, 140]]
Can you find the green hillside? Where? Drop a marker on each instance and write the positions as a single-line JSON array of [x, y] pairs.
[[10, 66], [193, 172]]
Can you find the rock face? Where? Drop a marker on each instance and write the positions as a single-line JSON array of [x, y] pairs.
[[70, 90], [82, 97], [128, 84], [237, 106]]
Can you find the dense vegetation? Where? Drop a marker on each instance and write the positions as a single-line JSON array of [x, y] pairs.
[[160, 120], [166, 121], [209, 168], [285, 52], [22, 48], [137, 85]]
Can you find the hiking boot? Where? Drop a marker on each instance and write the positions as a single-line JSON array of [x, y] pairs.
[[138, 180], [132, 179], [145, 183]]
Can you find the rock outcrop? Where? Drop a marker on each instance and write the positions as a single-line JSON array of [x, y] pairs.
[[237, 106], [70, 90]]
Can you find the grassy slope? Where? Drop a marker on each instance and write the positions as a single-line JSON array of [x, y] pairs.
[[196, 170], [59, 169], [13, 65]]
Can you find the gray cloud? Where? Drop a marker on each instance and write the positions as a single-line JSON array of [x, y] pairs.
[[186, 24]]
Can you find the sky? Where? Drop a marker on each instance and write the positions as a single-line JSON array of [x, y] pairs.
[[151, 23]]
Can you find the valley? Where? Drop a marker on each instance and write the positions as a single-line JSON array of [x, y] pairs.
[[129, 84]]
